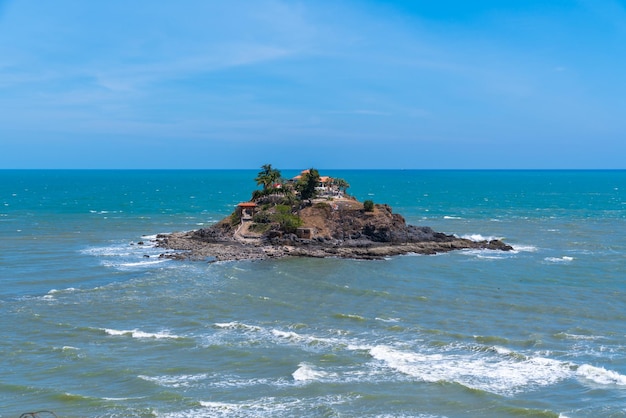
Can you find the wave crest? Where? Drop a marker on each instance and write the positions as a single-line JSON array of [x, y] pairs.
[[600, 375], [139, 334]]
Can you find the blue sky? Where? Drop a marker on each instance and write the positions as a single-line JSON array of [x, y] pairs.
[[322, 83]]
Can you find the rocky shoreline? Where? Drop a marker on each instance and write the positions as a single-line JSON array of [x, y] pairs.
[[191, 246]]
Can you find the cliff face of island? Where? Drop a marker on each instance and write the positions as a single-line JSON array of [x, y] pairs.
[[323, 227]]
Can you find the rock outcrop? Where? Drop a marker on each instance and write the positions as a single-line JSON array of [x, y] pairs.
[[338, 228]]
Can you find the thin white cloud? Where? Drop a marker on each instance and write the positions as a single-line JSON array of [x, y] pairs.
[[129, 77], [213, 38]]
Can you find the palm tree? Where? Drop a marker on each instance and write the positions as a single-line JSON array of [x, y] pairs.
[[341, 184], [267, 176]]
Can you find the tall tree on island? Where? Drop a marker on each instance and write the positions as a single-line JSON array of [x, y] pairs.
[[308, 183], [267, 176], [341, 184]]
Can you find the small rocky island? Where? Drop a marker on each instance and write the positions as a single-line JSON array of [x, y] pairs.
[[311, 216]]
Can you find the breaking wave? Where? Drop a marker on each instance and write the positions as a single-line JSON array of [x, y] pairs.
[[140, 334]]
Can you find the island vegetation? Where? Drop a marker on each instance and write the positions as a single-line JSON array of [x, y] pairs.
[[311, 215]]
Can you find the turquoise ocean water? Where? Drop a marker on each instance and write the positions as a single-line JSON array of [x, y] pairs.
[[94, 324]]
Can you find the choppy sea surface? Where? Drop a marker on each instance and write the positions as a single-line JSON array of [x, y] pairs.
[[94, 324]]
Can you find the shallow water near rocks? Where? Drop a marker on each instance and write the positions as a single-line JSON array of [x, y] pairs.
[[95, 324]]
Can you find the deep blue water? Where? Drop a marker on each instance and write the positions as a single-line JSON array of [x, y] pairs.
[[95, 324]]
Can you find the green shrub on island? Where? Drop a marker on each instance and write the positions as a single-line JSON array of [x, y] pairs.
[[287, 221], [280, 216], [263, 217], [235, 219], [283, 209], [368, 206], [260, 228]]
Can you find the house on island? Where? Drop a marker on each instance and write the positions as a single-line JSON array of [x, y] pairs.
[[325, 187], [246, 210]]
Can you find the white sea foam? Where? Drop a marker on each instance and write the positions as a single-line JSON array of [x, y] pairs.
[[289, 335], [487, 254], [146, 263], [277, 336], [121, 399], [105, 212], [267, 406], [452, 217], [139, 334], [307, 342], [120, 250], [237, 325], [147, 242], [226, 324], [68, 348], [479, 237], [236, 382], [498, 369], [306, 373], [179, 381], [559, 260], [502, 350], [388, 319], [125, 256], [524, 248], [580, 337], [206, 380], [600, 375], [221, 407], [353, 317], [67, 290], [501, 374]]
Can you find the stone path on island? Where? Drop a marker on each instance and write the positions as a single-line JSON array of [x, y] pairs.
[[243, 235]]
